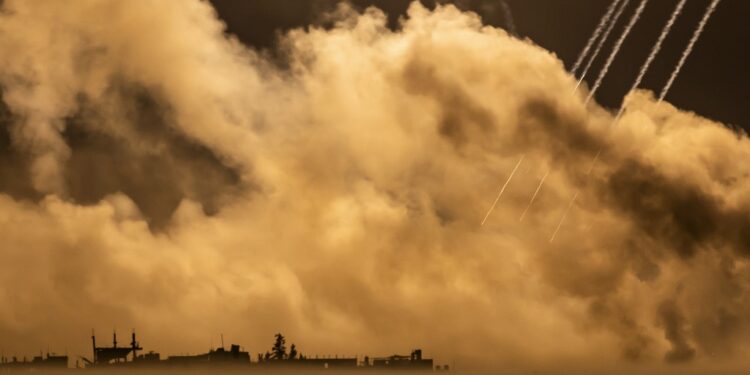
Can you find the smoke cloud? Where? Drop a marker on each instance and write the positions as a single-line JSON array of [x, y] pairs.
[[157, 174]]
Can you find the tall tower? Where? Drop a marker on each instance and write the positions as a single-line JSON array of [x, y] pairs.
[[134, 347], [93, 343]]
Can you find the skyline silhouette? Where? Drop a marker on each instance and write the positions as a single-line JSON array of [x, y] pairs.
[[114, 356]]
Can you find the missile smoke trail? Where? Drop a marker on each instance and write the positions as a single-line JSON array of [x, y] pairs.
[[511, 27], [616, 50], [658, 45], [533, 197], [591, 60], [689, 49], [565, 215], [654, 51], [599, 29], [502, 190], [646, 65], [509, 18], [603, 40]]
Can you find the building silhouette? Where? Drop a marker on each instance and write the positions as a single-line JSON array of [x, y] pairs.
[[215, 357], [40, 362], [130, 356], [412, 361], [108, 355]]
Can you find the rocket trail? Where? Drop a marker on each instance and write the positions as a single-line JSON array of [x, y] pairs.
[[593, 162], [592, 58], [509, 18], [595, 36], [565, 215], [689, 49], [503, 190], [657, 47], [603, 40], [511, 27], [654, 51], [533, 197], [646, 65], [636, 16]]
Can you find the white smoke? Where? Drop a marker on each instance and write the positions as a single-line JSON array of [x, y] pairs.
[[602, 41], [357, 174], [689, 49], [616, 49], [595, 36]]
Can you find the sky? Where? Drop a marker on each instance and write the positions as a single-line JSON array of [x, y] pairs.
[[167, 169], [715, 75]]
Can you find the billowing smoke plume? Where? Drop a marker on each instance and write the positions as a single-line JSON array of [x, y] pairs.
[[157, 174]]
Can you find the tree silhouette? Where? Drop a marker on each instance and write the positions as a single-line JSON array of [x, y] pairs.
[[279, 347], [293, 352]]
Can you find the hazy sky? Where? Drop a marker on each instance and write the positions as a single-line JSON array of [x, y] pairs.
[[711, 83], [330, 183]]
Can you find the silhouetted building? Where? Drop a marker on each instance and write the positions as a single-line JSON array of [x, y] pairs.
[[218, 357], [118, 355], [410, 362], [150, 357], [51, 361], [130, 358], [40, 362]]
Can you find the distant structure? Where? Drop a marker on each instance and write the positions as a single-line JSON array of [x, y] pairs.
[[38, 363], [109, 355], [413, 361], [112, 357], [234, 356]]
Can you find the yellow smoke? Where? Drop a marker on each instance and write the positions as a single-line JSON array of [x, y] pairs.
[[339, 199]]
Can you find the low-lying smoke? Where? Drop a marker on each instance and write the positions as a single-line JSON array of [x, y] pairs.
[[165, 177]]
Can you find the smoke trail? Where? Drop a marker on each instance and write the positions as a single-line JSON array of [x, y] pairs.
[[646, 65], [502, 190], [595, 36], [657, 47], [533, 197], [565, 215], [591, 60], [689, 49], [603, 40], [511, 27], [598, 82], [509, 24], [598, 154], [616, 50]]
